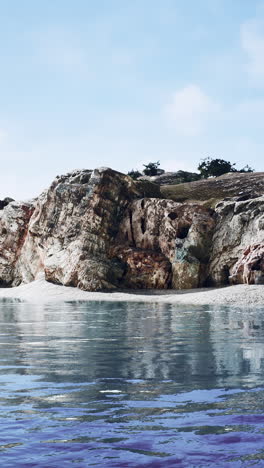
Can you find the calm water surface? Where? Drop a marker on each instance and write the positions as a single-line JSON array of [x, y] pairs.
[[130, 385]]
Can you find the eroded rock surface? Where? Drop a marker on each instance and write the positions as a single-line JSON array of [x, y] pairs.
[[102, 230], [180, 234], [14, 219], [144, 269], [239, 227], [249, 268], [74, 226]]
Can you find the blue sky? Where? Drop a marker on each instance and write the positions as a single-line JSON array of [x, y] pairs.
[[120, 83]]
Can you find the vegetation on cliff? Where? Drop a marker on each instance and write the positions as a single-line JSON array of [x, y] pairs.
[[208, 167]]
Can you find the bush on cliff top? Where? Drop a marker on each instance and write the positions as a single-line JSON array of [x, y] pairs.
[[217, 167]]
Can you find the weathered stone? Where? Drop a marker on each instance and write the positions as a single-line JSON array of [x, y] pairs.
[[239, 225], [186, 275], [144, 268], [102, 230], [181, 233], [74, 226], [14, 218], [249, 268]]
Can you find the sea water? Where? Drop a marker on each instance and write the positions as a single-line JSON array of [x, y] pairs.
[[130, 385]]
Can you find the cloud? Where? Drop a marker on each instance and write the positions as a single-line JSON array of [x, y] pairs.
[[190, 109], [252, 40]]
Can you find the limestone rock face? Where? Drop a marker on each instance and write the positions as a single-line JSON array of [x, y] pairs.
[[239, 228], [102, 230], [14, 219], [180, 234], [144, 269], [73, 228], [97, 230], [249, 268]]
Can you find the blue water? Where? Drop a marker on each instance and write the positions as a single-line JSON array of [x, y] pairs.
[[130, 385]]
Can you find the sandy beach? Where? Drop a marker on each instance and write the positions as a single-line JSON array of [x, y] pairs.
[[42, 291]]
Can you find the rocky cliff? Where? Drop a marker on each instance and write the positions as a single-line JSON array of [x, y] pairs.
[[102, 230], [73, 228], [179, 234], [238, 242]]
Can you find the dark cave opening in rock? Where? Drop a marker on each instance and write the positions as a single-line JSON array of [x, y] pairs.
[[225, 275], [172, 216], [182, 231], [143, 225]]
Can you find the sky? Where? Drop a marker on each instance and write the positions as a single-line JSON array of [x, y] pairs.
[[120, 83]]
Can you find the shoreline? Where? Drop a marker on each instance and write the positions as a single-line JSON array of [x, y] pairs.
[[42, 291]]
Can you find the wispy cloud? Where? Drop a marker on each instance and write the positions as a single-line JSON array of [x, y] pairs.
[[190, 109]]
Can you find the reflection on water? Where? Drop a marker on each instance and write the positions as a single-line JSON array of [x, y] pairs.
[[123, 384]]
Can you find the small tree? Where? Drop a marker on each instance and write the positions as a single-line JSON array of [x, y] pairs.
[[151, 169], [215, 167], [134, 174], [247, 168]]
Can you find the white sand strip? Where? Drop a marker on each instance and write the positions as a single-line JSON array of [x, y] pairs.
[[42, 291]]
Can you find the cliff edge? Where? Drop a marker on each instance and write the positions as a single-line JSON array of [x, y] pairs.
[[100, 230]]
